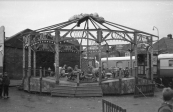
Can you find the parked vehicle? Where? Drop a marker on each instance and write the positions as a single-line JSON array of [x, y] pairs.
[[165, 69], [119, 62]]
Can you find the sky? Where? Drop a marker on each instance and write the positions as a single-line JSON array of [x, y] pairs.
[[18, 15]]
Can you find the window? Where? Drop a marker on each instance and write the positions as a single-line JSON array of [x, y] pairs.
[[171, 63]]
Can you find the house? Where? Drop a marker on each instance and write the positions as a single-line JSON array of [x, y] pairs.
[[164, 45]]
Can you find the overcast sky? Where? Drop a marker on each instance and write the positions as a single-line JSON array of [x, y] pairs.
[[142, 15]]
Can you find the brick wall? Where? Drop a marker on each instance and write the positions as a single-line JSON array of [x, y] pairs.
[[14, 57]]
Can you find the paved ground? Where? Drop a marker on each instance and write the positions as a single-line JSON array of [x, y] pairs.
[[21, 101], [15, 82]]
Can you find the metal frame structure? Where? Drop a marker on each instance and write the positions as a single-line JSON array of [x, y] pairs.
[[89, 30]]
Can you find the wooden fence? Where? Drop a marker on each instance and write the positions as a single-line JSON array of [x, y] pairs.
[[144, 89], [39, 73], [110, 107]]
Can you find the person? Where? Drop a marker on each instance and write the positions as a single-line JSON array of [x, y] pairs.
[[126, 72], [90, 69], [167, 105], [6, 83], [63, 70], [70, 73], [76, 68], [1, 85]]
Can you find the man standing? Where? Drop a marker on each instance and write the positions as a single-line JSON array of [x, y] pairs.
[[1, 86], [6, 83]]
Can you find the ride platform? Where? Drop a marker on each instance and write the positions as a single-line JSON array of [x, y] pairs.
[[68, 88]]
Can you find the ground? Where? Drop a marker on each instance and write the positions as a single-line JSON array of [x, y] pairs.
[[21, 101]]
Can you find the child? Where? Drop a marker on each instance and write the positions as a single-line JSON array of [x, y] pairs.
[[1, 85], [6, 83], [167, 104]]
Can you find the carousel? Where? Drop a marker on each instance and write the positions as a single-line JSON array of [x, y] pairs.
[[95, 36]]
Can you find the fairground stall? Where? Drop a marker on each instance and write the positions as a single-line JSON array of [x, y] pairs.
[[92, 77]]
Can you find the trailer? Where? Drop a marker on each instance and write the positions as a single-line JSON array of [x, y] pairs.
[[165, 69], [165, 65], [117, 62]]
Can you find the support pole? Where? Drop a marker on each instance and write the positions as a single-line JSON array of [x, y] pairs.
[[57, 37], [78, 79], [120, 86], [131, 59], [80, 57], [107, 60], [87, 34], [23, 79], [151, 43], [99, 40], [34, 63], [29, 62], [100, 65], [148, 65], [87, 41], [41, 80], [136, 55]]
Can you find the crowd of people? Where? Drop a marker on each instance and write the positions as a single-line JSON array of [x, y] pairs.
[[94, 72], [4, 86]]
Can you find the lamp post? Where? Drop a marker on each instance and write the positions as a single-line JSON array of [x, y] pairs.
[[158, 36], [158, 63]]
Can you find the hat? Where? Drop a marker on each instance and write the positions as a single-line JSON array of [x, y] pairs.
[[167, 94]]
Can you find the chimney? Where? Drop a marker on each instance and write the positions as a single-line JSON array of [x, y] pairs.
[[169, 36]]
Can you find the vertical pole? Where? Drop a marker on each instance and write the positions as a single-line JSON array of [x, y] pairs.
[[107, 60], [80, 57], [136, 55], [23, 79], [100, 65], [57, 36], [131, 59], [78, 79], [120, 85], [34, 63], [103, 108], [107, 54], [29, 62], [87, 45], [41, 80], [151, 43], [44, 72], [99, 38], [87, 41], [148, 65]]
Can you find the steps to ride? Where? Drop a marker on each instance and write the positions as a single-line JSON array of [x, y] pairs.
[[77, 91]]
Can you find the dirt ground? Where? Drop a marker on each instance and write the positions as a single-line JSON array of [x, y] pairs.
[[21, 101]]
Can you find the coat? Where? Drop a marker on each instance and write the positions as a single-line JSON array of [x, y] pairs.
[[6, 81], [166, 108], [1, 81]]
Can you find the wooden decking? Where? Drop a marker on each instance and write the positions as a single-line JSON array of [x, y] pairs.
[[67, 88]]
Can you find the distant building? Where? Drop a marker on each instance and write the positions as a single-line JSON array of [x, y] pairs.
[[120, 50], [164, 45]]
